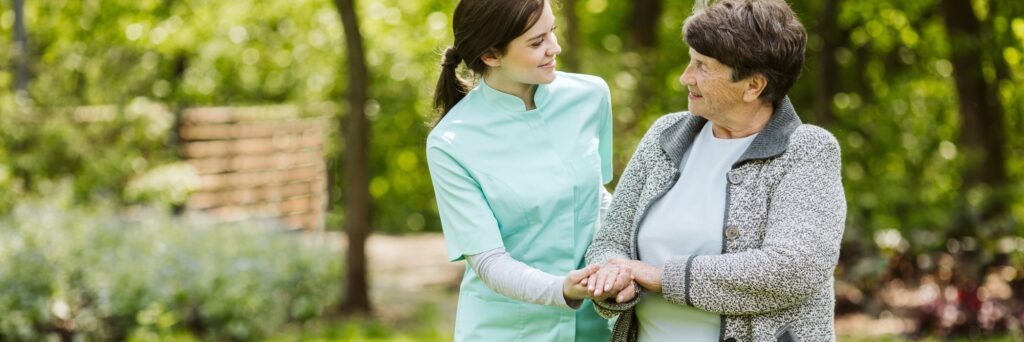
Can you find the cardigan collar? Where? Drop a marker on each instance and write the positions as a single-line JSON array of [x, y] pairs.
[[770, 142]]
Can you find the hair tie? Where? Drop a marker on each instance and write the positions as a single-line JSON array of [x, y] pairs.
[[451, 58]]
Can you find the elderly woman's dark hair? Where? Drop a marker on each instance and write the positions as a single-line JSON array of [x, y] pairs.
[[752, 37]]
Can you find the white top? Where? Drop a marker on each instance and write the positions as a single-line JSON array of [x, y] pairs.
[[687, 221]]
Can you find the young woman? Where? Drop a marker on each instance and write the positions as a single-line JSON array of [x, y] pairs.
[[518, 165]]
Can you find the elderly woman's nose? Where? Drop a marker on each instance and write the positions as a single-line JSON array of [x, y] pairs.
[[686, 79]]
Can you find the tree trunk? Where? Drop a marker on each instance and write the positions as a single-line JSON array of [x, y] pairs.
[[829, 66], [571, 57], [643, 33], [982, 134], [982, 138], [20, 50], [356, 129], [644, 23]]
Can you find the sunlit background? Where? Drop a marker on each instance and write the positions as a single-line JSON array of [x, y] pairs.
[[188, 169]]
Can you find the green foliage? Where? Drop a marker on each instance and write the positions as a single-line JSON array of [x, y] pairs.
[[103, 274], [109, 151], [187, 52]]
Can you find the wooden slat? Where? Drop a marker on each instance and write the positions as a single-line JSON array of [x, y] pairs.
[[240, 114], [290, 206], [211, 165], [273, 193], [295, 205], [225, 131], [260, 178], [208, 115], [294, 143], [277, 160]]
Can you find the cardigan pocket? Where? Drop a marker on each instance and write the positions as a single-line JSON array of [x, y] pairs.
[[786, 334]]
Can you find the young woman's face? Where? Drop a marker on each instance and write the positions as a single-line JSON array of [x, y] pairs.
[[530, 58]]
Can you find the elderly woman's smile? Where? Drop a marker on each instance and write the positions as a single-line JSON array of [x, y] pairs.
[[695, 95]]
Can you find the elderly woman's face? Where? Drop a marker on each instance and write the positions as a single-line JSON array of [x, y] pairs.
[[711, 89]]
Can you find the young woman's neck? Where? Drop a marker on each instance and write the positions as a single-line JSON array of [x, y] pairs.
[[521, 90]]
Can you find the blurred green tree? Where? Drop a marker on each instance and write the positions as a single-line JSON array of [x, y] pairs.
[[357, 177]]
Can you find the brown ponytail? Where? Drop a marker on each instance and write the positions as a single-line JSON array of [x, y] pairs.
[[480, 26], [450, 87]]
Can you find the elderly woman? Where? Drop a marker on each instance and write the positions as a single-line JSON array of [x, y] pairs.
[[730, 215]]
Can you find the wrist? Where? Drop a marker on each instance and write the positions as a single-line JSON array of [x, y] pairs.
[[569, 291], [650, 278]]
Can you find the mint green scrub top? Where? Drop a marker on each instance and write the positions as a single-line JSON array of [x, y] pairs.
[[528, 181]]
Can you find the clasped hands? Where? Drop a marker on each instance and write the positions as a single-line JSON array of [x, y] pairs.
[[616, 278]]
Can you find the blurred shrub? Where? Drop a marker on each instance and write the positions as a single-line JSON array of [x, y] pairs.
[[103, 275], [117, 153]]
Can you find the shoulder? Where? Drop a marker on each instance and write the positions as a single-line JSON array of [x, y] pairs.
[[567, 81], [441, 139], [813, 140], [661, 127], [457, 119], [669, 120]]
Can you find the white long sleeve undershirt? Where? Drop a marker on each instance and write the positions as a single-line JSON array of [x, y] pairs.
[[514, 279]]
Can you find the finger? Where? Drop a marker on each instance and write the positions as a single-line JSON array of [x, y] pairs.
[[608, 274], [599, 282], [622, 280], [590, 282], [626, 294], [578, 275], [611, 279]]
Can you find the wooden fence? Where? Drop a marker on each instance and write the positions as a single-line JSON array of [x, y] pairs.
[[258, 162]]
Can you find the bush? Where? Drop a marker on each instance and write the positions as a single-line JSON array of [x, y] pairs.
[[118, 152], [102, 274]]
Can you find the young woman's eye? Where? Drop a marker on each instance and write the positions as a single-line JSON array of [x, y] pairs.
[[538, 43]]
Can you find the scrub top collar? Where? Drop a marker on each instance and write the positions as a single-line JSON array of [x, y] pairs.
[[512, 102]]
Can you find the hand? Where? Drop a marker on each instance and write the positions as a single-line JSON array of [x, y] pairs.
[[627, 293], [613, 276], [575, 285], [647, 275]]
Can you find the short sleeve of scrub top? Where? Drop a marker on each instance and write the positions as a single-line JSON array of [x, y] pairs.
[[470, 227]]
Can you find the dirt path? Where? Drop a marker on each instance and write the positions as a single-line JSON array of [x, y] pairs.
[[411, 280]]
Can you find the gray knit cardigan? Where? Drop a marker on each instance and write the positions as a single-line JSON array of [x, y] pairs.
[[784, 219]]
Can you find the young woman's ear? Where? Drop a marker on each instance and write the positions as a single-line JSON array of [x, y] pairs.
[[491, 58], [755, 86]]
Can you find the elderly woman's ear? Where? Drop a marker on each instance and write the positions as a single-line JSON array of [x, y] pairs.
[[755, 85]]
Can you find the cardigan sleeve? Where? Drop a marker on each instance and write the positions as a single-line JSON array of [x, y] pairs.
[[799, 252], [613, 238]]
